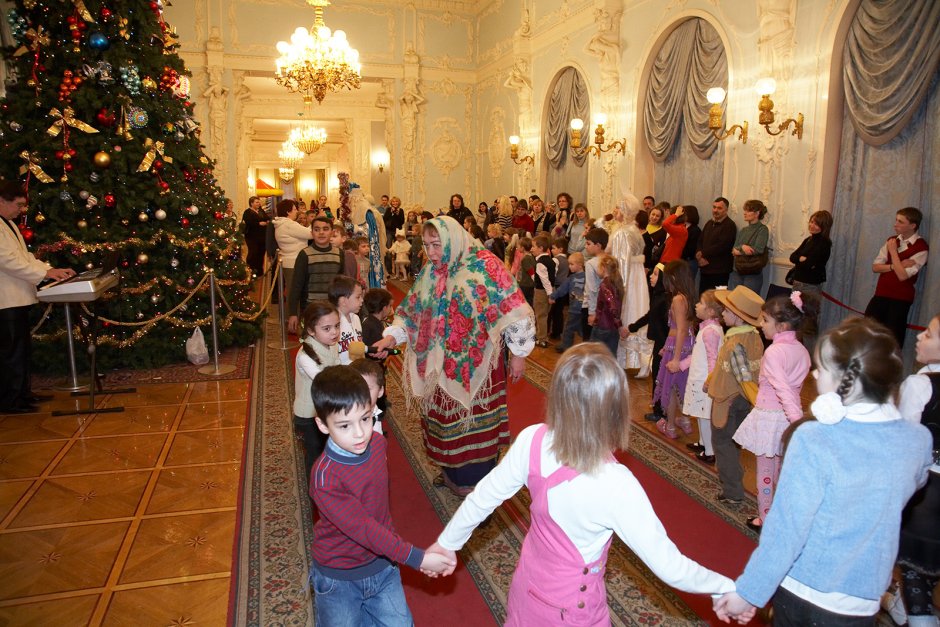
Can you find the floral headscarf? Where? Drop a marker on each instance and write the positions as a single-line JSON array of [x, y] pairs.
[[454, 316]]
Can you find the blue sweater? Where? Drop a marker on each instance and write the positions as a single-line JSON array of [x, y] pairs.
[[836, 515], [572, 286]]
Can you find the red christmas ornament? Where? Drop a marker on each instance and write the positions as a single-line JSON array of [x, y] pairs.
[[109, 200], [157, 165], [185, 221], [125, 263], [27, 234], [105, 117], [164, 186], [217, 215], [67, 166], [105, 13]]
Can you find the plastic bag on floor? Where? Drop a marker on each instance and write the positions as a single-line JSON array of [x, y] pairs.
[[196, 350]]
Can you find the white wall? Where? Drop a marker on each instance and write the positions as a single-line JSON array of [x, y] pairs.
[[465, 51]]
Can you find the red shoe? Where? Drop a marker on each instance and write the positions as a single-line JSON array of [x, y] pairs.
[[663, 427]]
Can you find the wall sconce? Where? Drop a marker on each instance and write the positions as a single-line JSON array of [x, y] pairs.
[[600, 120], [765, 88], [514, 152], [380, 160], [716, 95]]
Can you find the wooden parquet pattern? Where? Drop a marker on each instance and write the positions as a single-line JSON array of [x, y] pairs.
[[125, 518]]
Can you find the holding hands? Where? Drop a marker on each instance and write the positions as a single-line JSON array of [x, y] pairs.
[[438, 561], [732, 606]]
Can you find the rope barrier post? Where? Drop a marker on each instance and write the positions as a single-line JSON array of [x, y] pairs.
[[282, 314], [73, 384], [215, 370]]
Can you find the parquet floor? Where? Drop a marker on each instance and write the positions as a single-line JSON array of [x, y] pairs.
[[124, 518]]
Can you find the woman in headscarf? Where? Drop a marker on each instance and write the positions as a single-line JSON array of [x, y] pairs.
[[462, 311]]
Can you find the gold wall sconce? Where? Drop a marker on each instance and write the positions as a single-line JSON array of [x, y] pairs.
[[766, 88], [600, 119], [380, 160], [716, 95], [514, 152]]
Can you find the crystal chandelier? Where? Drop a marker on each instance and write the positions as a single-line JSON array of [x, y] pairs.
[[317, 61], [286, 174], [290, 155], [307, 138]]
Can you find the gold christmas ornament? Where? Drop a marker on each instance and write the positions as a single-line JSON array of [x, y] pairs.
[[149, 84], [102, 159]]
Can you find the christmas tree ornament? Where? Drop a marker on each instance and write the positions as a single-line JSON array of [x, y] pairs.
[[193, 210], [98, 41], [140, 315], [65, 196], [40, 218], [174, 263], [83, 194], [157, 165], [142, 258], [178, 136], [190, 281], [168, 128], [131, 79], [82, 224], [142, 216], [109, 200], [149, 84], [185, 222], [137, 117], [102, 159], [105, 14], [217, 215], [94, 177], [105, 118], [92, 202], [159, 214], [89, 266], [15, 126], [27, 234]]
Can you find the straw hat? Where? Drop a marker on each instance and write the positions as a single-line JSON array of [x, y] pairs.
[[742, 301]]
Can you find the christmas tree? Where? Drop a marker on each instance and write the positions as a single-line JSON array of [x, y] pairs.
[[98, 124]]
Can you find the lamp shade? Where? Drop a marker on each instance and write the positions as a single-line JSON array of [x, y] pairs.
[[577, 124], [514, 140], [715, 95], [600, 119], [766, 87]]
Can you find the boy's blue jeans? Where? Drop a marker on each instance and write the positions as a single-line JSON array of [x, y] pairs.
[[375, 600], [572, 325]]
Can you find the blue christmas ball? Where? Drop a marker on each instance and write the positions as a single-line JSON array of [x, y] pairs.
[[98, 41]]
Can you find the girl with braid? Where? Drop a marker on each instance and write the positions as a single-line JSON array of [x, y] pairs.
[[830, 539]]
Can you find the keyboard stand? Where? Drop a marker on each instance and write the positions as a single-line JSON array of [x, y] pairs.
[[73, 384], [95, 380]]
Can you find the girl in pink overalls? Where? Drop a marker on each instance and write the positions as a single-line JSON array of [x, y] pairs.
[[581, 496]]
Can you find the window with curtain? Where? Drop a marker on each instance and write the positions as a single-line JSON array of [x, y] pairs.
[[567, 99], [688, 168], [890, 153]]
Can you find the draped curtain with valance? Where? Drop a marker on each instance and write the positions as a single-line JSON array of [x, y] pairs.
[[691, 60], [568, 99], [890, 154]]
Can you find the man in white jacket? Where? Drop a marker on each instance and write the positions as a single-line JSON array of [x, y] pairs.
[[20, 272]]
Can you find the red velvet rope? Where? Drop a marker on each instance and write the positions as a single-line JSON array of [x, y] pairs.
[[838, 302]]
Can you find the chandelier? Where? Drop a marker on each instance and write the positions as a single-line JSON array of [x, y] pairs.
[[286, 174], [290, 155], [307, 138], [317, 61]]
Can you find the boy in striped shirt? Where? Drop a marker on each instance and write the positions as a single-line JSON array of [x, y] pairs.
[[356, 550]]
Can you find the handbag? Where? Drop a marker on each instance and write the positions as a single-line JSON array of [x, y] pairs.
[[751, 264]]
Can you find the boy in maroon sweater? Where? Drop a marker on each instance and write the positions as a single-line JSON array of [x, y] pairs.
[[356, 551]]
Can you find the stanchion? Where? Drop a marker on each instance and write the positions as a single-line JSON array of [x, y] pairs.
[[215, 369], [282, 318], [278, 269]]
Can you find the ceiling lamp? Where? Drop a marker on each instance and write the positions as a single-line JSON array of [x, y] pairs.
[[317, 61], [290, 155], [307, 138], [286, 174]]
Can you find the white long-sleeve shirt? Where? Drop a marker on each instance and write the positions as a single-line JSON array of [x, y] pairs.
[[588, 508], [915, 392]]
